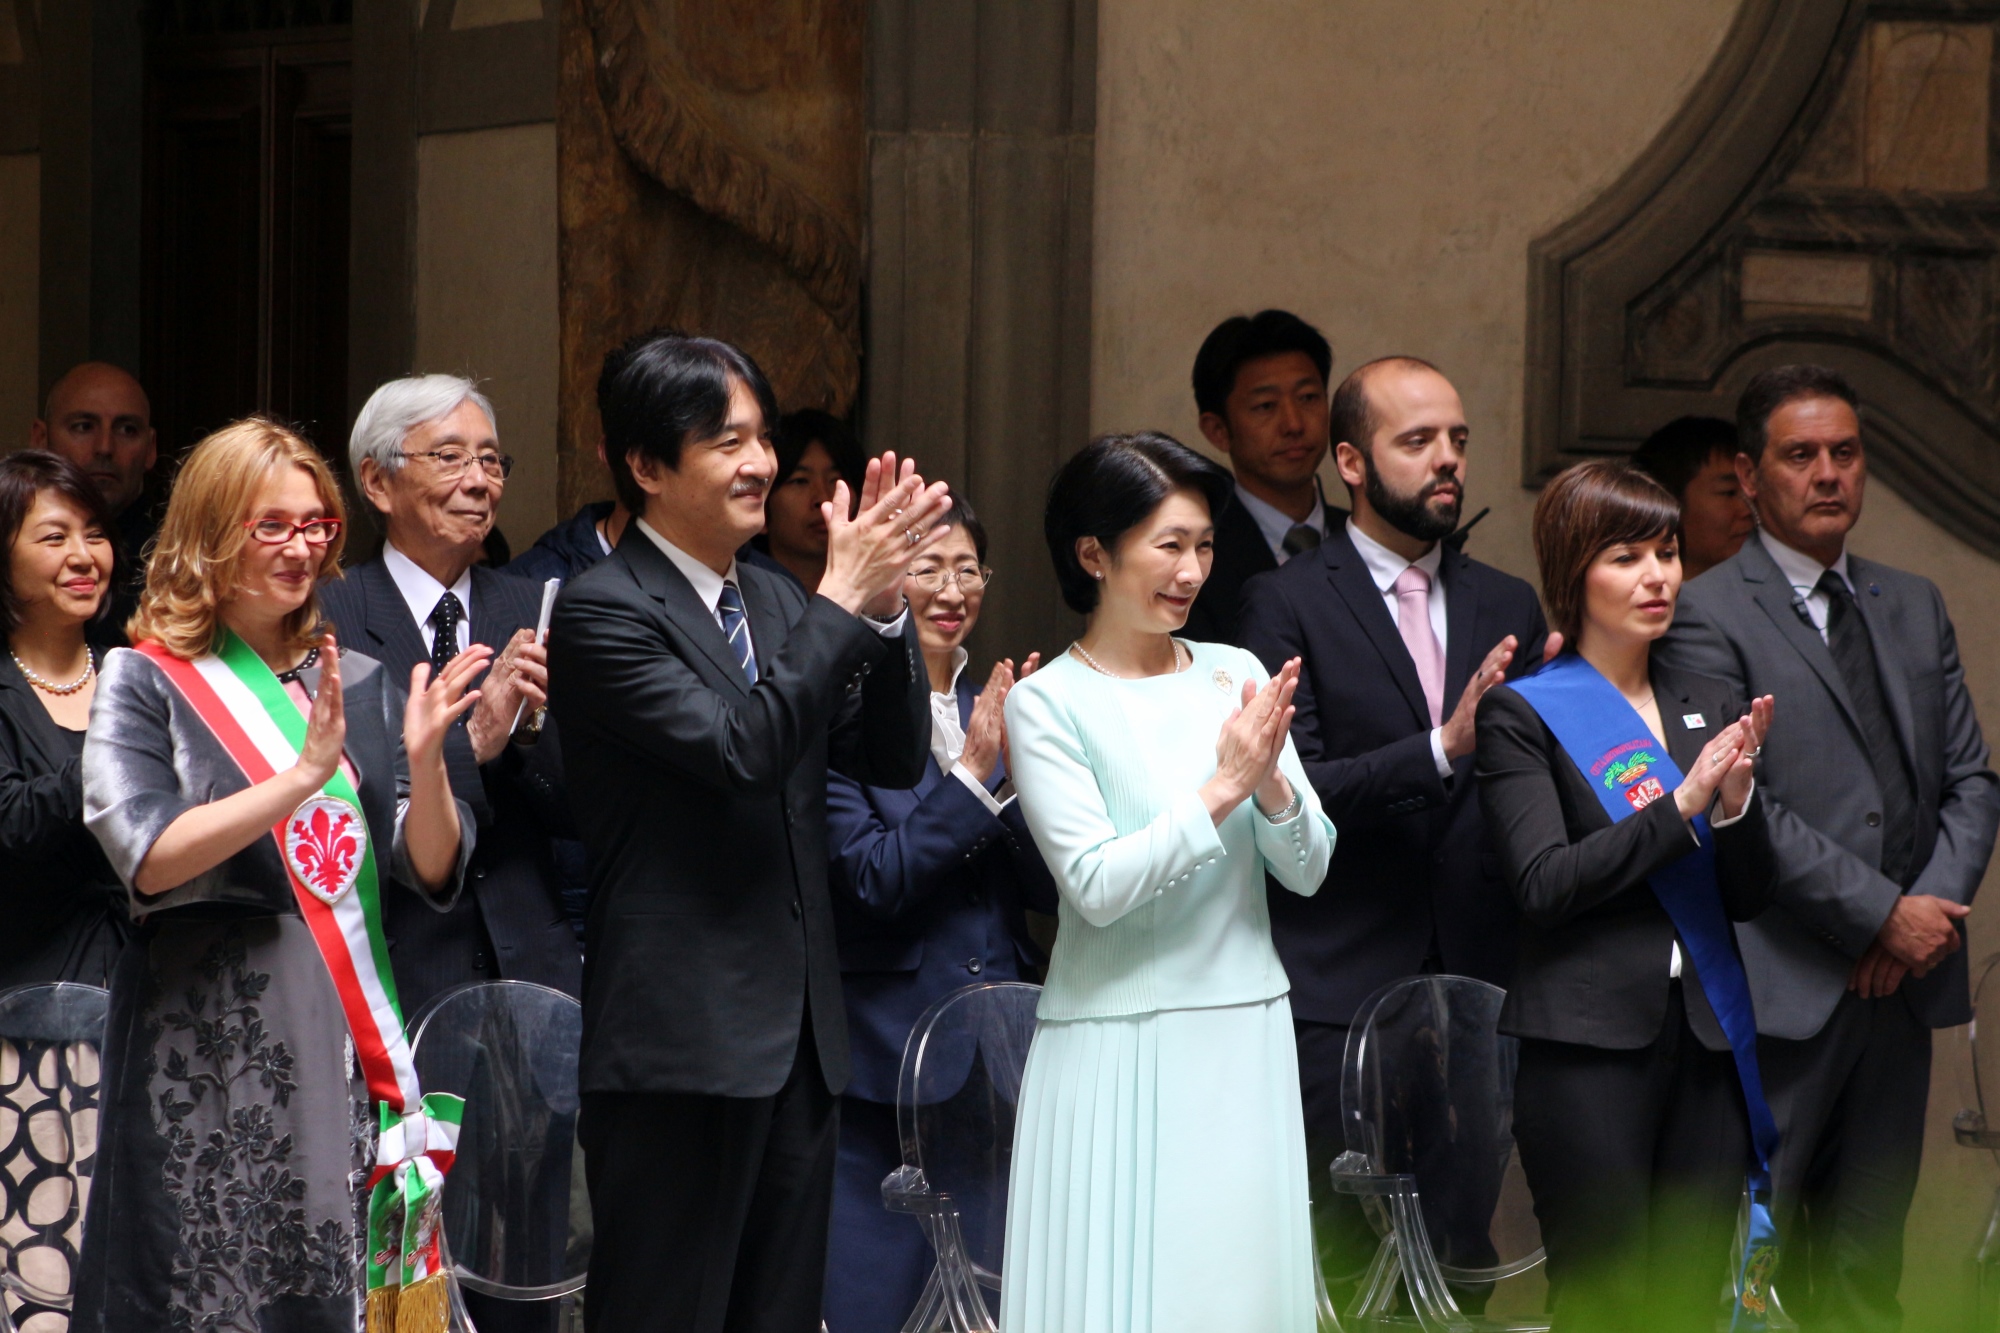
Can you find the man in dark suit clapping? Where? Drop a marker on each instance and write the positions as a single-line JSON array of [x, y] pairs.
[[1883, 810], [1260, 385], [426, 455], [1400, 635], [703, 702]]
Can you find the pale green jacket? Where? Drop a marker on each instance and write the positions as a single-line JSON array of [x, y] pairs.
[[1160, 908]]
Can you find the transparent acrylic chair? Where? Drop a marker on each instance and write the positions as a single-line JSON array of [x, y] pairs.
[[955, 1102], [51, 1036], [1427, 1104], [1978, 1125], [516, 1213]]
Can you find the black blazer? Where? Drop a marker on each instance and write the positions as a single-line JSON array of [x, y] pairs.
[[1595, 942], [62, 903], [703, 803], [1411, 866], [1241, 553], [509, 923]]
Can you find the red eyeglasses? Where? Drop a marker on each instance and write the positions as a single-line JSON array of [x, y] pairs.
[[276, 531]]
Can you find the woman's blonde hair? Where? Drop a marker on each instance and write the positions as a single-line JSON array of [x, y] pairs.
[[198, 554]]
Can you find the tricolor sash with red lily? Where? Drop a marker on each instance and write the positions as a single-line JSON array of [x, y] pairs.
[[330, 859]]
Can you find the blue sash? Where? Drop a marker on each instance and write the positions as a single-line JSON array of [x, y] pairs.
[[1629, 770]]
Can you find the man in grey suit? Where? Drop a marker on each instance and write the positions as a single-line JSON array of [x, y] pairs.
[[1882, 810]]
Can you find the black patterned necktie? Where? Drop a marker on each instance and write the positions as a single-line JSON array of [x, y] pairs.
[[735, 624], [1300, 539], [444, 643], [1854, 653]]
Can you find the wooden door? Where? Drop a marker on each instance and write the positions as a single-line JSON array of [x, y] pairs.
[[249, 144]]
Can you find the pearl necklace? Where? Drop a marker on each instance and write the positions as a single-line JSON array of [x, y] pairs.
[[43, 683], [1100, 668]]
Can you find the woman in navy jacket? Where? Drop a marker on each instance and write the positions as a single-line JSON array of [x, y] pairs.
[[929, 888]]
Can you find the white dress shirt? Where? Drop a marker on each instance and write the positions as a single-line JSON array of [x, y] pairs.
[[421, 593], [708, 586], [1274, 523], [1385, 567], [948, 740], [1803, 573]]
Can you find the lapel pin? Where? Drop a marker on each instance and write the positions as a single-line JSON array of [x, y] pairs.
[[1693, 721], [1874, 590], [1222, 680]]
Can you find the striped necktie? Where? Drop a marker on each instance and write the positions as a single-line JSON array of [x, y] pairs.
[[736, 625]]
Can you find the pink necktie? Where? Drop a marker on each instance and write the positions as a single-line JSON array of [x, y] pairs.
[[1413, 610]]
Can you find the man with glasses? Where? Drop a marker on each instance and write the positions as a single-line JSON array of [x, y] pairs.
[[426, 456]]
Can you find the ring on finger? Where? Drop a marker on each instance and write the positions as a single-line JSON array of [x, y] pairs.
[[915, 535]]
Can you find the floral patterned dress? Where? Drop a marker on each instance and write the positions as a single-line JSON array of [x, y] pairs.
[[235, 1133]]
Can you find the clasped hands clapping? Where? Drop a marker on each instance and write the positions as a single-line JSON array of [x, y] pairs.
[[866, 556], [1248, 746]]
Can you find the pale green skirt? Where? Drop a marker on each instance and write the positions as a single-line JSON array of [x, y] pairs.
[[1159, 1177]]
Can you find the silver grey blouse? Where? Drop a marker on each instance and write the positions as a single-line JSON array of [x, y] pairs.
[[149, 758]]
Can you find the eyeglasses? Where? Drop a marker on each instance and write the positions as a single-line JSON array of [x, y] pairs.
[[276, 531], [453, 462], [969, 578]]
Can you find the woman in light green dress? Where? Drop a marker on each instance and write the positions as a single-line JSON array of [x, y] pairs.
[[1159, 1174]]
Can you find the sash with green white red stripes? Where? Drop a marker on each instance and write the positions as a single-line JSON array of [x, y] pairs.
[[330, 859]]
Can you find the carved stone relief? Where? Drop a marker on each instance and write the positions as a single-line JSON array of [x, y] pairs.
[[712, 158], [1827, 194]]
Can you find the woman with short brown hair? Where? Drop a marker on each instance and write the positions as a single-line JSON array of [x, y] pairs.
[[1637, 1108], [247, 783]]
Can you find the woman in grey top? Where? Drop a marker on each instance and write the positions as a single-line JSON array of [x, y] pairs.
[[234, 1129]]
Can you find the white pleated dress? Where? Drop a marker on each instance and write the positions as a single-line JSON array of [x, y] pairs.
[[1159, 1174]]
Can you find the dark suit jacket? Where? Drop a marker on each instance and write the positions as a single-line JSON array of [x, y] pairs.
[[62, 903], [509, 923], [1737, 623], [703, 802], [1595, 941], [1411, 865], [1240, 554], [928, 891]]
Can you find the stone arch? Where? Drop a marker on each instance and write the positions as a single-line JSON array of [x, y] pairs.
[[1828, 192]]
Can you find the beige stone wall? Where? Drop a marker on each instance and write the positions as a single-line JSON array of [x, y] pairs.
[[1380, 167], [20, 294], [486, 294]]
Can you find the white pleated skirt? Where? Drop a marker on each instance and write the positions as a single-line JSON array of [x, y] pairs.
[[1159, 1177]]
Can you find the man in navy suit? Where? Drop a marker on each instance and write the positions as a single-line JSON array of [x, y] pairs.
[[1400, 634], [1260, 385], [929, 891]]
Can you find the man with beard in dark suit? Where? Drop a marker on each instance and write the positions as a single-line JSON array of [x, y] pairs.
[[1260, 384], [1400, 634]]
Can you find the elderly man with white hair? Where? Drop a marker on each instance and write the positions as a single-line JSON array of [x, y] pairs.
[[425, 453]]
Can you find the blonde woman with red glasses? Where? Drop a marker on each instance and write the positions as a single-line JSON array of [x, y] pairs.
[[257, 793]]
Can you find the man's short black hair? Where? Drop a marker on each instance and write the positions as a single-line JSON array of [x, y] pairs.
[[662, 387], [1773, 388], [1241, 339], [1674, 453], [1109, 488], [1350, 418]]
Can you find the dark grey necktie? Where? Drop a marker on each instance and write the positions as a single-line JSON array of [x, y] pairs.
[[1300, 539], [1854, 653], [444, 619]]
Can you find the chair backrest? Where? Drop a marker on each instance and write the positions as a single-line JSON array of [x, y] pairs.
[[516, 1215], [1427, 1091], [1983, 1037], [51, 1036], [955, 1101]]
